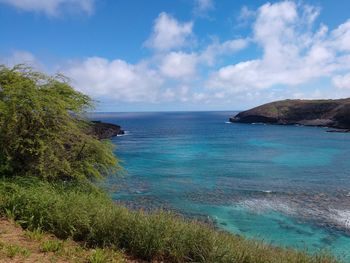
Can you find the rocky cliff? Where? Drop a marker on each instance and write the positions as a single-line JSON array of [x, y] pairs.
[[104, 130], [330, 113]]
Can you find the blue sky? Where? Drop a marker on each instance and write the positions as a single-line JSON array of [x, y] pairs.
[[138, 55]]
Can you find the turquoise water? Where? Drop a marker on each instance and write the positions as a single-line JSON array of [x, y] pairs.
[[286, 185]]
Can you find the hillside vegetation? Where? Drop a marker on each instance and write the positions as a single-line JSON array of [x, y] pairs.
[[87, 215], [18, 245]]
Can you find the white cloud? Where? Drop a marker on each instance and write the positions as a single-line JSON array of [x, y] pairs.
[[183, 93], [211, 52], [341, 37], [168, 33], [342, 81], [292, 53], [21, 57], [200, 97], [245, 15], [203, 6], [99, 77], [52, 7], [179, 65]]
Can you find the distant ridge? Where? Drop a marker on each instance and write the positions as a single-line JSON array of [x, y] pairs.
[[326, 113]]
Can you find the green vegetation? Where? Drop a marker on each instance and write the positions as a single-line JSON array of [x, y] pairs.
[[99, 256], [87, 215], [51, 246], [12, 251], [42, 132], [48, 161], [35, 234], [17, 245]]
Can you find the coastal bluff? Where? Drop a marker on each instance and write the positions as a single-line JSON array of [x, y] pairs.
[[104, 130], [324, 113]]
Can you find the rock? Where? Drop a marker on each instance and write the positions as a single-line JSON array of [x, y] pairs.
[[104, 130], [324, 113], [339, 130]]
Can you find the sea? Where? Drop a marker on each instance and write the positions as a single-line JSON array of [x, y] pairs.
[[285, 185]]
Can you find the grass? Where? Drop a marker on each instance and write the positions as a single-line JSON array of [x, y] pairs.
[[87, 215], [99, 256], [104, 256], [18, 245], [12, 251], [51, 246], [35, 234]]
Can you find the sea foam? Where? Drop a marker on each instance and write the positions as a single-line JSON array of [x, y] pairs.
[[342, 217], [264, 205]]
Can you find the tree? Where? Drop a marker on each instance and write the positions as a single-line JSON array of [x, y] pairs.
[[43, 131]]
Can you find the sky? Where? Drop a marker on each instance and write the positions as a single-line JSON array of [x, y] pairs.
[[184, 55]]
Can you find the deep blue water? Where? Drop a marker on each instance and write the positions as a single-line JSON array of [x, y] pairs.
[[287, 185]]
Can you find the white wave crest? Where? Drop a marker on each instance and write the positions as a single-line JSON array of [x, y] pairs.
[[264, 205], [342, 217], [126, 133]]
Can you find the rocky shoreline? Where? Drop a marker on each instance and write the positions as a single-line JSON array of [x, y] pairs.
[[339, 130], [104, 130]]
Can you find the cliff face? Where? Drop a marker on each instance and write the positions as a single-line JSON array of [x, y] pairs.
[[105, 130], [330, 113]]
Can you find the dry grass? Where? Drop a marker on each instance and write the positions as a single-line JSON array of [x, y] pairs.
[[18, 245]]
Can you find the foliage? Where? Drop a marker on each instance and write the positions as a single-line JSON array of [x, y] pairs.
[[98, 256], [35, 234], [12, 251], [51, 246], [86, 214], [42, 131]]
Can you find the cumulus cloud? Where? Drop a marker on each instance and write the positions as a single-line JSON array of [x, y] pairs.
[[52, 7], [245, 15], [342, 81], [168, 33], [179, 65], [341, 37], [212, 51], [293, 53], [166, 76], [115, 79], [171, 79]]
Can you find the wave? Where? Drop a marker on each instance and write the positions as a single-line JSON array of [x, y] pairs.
[[258, 123], [341, 217], [329, 217], [265, 205], [126, 133]]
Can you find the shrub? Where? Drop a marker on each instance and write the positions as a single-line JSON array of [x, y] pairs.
[[43, 132]]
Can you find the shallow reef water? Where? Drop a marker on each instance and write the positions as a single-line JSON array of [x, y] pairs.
[[286, 185]]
